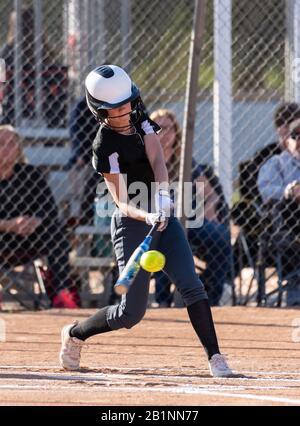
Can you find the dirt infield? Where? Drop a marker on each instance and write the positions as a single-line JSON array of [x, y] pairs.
[[159, 362]]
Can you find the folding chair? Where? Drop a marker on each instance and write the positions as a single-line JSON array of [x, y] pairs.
[[272, 240], [26, 286], [276, 239]]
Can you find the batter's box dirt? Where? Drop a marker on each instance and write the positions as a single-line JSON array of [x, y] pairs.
[[159, 362]]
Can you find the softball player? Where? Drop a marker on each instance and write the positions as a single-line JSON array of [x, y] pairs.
[[126, 146]]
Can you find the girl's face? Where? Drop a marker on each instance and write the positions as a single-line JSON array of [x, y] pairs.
[[293, 143], [167, 136], [120, 117], [283, 134], [9, 148]]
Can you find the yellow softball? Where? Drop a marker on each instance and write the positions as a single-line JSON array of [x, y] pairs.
[[152, 261]]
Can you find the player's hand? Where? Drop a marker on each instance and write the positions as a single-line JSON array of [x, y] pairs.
[[161, 218], [163, 202]]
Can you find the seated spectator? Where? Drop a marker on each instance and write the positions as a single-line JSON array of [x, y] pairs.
[[210, 242], [279, 183], [284, 115], [244, 212], [29, 219], [83, 129]]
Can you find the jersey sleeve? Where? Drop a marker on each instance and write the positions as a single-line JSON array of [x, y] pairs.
[[146, 126], [149, 126], [105, 156]]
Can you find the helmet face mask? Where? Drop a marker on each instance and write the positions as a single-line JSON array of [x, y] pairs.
[[134, 116], [109, 87]]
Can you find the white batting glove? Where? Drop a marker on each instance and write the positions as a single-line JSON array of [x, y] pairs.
[[163, 202], [153, 218]]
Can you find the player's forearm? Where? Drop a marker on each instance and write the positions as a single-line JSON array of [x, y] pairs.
[[161, 175], [131, 211], [157, 160], [118, 190]]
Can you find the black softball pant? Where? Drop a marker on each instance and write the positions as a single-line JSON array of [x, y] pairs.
[[127, 234]]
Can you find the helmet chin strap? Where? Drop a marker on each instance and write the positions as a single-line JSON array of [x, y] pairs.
[[132, 123], [119, 116], [130, 126], [108, 119]]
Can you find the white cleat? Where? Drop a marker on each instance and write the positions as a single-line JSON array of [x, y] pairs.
[[218, 366], [69, 357]]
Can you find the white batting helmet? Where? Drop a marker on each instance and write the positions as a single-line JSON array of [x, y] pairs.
[[107, 87]]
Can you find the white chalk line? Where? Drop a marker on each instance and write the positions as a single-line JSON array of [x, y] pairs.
[[146, 369], [208, 390], [112, 379], [129, 377], [132, 379], [175, 390]]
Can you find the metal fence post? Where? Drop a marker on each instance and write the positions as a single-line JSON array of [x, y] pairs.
[[296, 31], [190, 104], [125, 33], [38, 56], [223, 95], [190, 114], [18, 107]]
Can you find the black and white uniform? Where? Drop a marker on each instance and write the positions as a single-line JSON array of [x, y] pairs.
[[118, 153]]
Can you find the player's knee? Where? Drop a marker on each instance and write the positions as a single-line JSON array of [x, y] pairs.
[[193, 294], [130, 320]]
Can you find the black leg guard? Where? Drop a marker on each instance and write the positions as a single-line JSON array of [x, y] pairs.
[[202, 321], [96, 324]]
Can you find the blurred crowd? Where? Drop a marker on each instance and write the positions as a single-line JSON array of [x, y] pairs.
[[267, 205]]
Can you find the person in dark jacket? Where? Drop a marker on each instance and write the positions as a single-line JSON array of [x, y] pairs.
[[244, 212], [29, 219]]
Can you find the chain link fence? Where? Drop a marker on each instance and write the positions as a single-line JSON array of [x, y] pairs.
[[48, 200]]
